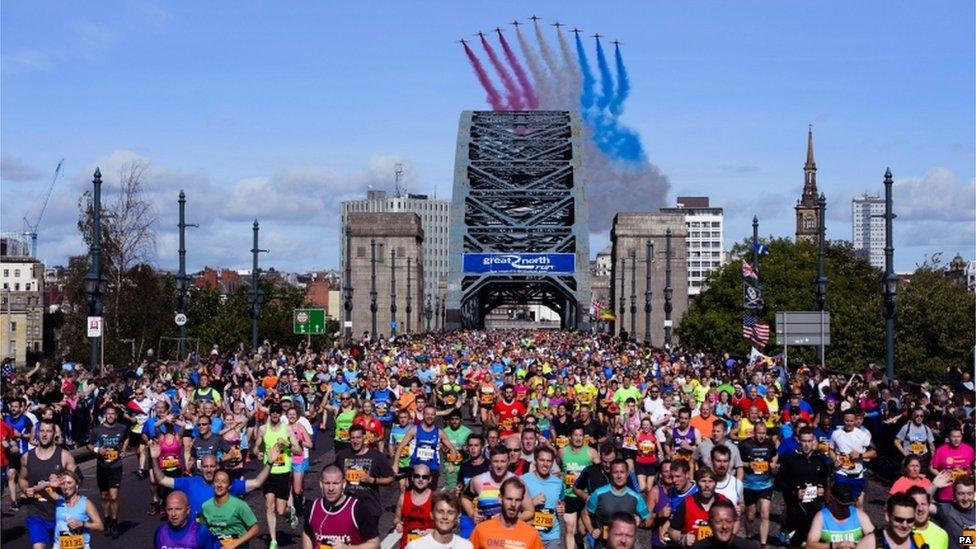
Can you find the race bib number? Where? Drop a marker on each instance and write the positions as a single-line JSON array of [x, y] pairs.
[[487, 398], [454, 457], [917, 448], [630, 441], [170, 462], [562, 441], [544, 519], [702, 530], [111, 454], [570, 478], [507, 424], [354, 476], [226, 541], [280, 460], [809, 494], [414, 535], [324, 545], [846, 462], [425, 453], [684, 454], [381, 411], [646, 447], [405, 452], [958, 474], [342, 434], [588, 440], [370, 437], [760, 466], [450, 399], [823, 447], [72, 541]]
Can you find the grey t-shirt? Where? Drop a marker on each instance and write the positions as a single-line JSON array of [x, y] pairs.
[[955, 520], [703, 453]]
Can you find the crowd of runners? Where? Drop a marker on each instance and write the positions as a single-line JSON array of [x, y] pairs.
[[491, 440]]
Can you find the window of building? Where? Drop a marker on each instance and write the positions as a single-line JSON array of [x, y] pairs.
[[360, 251], [16, 286], [696, 274], [716, 224], [13, 326], [6, 272], [16, 272]]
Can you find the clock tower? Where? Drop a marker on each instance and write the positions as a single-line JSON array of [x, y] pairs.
[[807, 207]]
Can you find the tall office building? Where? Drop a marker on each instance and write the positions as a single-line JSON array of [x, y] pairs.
[[21, 302], [869, 228], [706, 234], [435, 220]]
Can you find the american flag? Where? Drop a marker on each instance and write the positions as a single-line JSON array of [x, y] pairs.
[[754, 331], [748, 271]]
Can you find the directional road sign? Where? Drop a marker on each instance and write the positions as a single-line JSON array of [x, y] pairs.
[[309, 321]]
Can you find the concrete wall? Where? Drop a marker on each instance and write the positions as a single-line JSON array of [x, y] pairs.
[[631, 232], [402, 233]]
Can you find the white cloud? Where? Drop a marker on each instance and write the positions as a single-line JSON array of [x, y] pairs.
[[935, 195], [15, 170]]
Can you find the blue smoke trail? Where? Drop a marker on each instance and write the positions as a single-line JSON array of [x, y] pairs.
[[586, 94], [623, 85], [606, 78]]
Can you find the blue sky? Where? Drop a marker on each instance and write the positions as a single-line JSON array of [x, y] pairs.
[[279, 111]]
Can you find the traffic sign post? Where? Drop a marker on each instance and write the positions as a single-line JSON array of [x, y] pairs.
[[308, 321], [94, 326], [180, 319], [802, 328]]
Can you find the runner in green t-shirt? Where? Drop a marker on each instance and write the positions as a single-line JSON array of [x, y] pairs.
[[458, 435], [228, 517]]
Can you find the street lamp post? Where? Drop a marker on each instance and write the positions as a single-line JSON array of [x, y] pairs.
[[372, 288], [667, 290], [889, 282], [181, 278], [821, 282], [633, 293], [648, 293], [256, 292], [409, 297], [347, 290], [623, 302], [95, 283], [393, 305], [428, 312]]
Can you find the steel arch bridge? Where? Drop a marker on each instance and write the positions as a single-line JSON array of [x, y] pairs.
[[518, 190]]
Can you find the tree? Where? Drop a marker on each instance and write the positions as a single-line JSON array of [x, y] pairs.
[[934, 326], [714, 318]]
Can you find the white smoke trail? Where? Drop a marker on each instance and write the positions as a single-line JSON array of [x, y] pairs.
[[539, 75], [570, 74], [556, 83]]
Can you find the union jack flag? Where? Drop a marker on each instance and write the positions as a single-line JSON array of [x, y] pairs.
[[754, 331], [748, 271]]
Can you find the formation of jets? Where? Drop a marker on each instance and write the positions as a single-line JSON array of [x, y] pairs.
[[534, 19]]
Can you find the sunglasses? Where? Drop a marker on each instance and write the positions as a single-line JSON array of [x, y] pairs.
[[902, 520], [514, 450], [422, 477]]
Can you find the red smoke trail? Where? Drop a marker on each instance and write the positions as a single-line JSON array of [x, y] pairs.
[[494, 99], [511, 89], [531, 98]]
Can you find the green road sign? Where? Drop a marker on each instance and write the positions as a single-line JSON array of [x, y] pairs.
[[309, 321]]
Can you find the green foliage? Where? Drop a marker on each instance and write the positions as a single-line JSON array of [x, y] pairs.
[[934, 327]]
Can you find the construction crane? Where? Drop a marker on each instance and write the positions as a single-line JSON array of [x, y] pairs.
[[32, 227]]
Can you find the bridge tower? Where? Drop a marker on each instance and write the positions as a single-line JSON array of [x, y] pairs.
[[519, 233]]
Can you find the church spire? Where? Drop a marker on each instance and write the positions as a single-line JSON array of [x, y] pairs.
[[810, 165]]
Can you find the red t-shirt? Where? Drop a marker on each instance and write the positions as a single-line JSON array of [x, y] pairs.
[[508, 413], [6, 433]]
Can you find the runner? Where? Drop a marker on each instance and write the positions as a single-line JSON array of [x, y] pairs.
[[429, 437], [802, 477], [277, 434], [445, 509], [759, 453], [38, 468], [301, 431], [723, 518], [230, 519], [897, 533], [458, 435], [482, 500], [840, 523], [365, 469], [507, 525], [689, 522], [546, 493], [413, 518], [109, 441], [338, 520], [575, 458], [179, 530], [75, 516], [616, 497]]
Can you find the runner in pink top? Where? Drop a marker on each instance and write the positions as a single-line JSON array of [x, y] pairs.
[[955, 456]]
